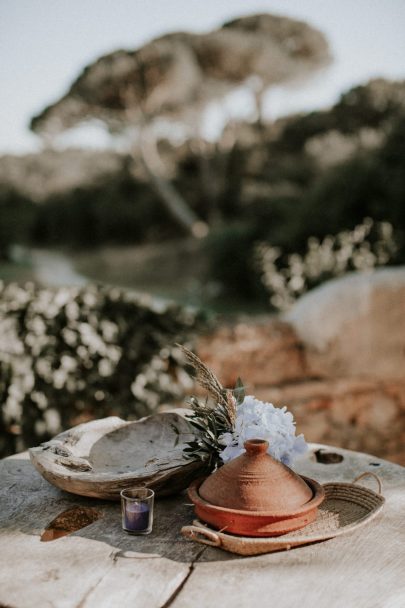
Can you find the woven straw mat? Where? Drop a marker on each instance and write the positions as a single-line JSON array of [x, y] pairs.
[[346, 507]]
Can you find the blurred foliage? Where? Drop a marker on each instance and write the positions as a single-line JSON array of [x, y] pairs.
[[318, 175], [17, 215], [368, 105], [286, 278], [230, 265], [116, 209], [312, 175], [68, 355], [372, 183]]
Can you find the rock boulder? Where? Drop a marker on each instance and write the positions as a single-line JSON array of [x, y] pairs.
[[354, 326], [337, 360]]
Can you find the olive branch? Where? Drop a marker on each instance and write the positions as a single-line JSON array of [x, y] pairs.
[[209, 420]]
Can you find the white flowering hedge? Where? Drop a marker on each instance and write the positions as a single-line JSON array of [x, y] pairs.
[[71, 354], [368, 245]]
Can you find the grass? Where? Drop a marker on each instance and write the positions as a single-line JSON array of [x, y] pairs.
[[20, 272], [173, 270]]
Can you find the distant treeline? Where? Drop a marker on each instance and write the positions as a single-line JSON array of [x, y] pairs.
[[304, 176], [118, 209]]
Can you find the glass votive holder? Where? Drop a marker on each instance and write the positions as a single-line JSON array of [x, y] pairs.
[[137, 510]]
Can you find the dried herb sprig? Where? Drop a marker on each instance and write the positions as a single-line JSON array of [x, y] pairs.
[[209, 421], [205, 377]]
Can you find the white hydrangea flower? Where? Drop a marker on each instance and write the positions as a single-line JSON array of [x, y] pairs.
[[258, 420]]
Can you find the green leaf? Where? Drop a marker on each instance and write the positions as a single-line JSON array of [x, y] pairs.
[[177, 433], [198, 425]]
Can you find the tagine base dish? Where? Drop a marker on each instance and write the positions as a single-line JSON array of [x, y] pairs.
[[346, 508], [257, 523]]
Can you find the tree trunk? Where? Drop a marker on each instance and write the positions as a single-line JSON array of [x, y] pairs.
[[170, 197], [209, 182]]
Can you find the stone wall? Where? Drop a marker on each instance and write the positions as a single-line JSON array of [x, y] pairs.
[[337, 361]]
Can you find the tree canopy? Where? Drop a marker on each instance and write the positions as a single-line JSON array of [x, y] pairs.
[[177, 74]]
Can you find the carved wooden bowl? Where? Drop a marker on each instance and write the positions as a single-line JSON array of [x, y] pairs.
[[102, 457]]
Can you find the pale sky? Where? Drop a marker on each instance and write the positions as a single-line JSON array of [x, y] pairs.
[[44, 44]]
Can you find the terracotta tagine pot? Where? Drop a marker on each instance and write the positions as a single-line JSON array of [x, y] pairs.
[[256, 495]]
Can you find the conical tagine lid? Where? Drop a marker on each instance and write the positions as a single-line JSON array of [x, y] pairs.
[[255, 481]]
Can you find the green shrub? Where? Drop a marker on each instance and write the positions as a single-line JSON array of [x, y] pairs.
[[116, 210], [230, 252], [371, 184], [16, 219]]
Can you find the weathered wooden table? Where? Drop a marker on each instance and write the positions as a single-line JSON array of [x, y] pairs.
[[101, 566]]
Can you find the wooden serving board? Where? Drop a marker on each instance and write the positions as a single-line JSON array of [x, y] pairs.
[[101, 457]]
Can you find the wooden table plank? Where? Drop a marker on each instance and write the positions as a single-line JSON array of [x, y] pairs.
[[102, 566], [365, 569], [98, 565]]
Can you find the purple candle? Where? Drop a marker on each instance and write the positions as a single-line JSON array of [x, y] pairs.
[[137, 510], [136, 516]]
